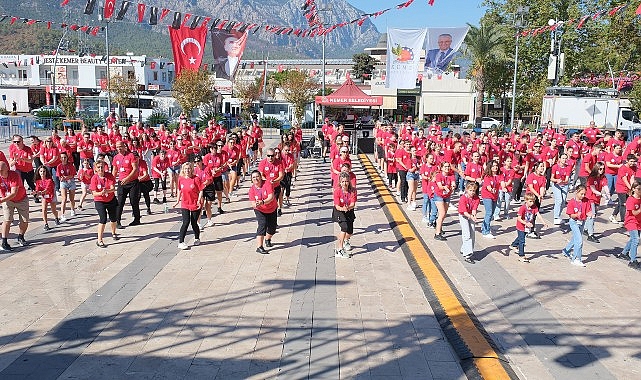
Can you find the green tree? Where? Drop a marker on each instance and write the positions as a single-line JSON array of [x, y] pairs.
[[248, 92], [363, 64], [299, 89], [482, 45], [68, 105], [193, 88], [123, 91]]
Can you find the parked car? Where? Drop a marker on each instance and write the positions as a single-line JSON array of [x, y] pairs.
[[34, 112], [486, 123], [4, 121]]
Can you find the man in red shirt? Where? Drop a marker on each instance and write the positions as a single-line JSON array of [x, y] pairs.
[[13, 196], [273, 173], [125, 169], [21, 157]]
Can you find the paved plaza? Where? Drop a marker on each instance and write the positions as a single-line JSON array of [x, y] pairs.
[[142, 309]]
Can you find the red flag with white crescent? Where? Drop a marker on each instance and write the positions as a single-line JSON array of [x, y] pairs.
[[110, 6], [188, 46]]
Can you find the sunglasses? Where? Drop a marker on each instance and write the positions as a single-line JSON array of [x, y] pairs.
[[270, 155], [17, 142]]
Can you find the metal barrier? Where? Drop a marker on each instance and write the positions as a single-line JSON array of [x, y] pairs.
[[22, 125]]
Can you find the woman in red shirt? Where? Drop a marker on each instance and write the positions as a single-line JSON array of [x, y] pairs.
[[467, 207], [597, 186], [264, 203], [490, 195], [84, 176], [343, 214], [560, 178], [633, 225], [190, 198], [103, 188], [445, 184], [144, 181], [45, 189]]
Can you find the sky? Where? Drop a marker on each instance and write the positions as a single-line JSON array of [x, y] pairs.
[[420, 15]]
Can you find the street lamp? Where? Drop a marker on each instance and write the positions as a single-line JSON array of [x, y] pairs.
[[100, 18], [518, 23], [326, 9], [55, 63], [555, 66], [130, 54]]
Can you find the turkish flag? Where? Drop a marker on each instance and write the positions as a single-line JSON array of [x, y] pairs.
[[188, 46], [110, 6]]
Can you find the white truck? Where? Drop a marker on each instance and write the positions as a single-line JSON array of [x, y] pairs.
[[576, 107]]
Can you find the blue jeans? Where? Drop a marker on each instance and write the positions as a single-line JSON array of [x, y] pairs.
[[56, 180], [576, 243], [519, 242], [560, 196], [467, 236], [612, 179], [589, 222], [632, 245], [427, 206], [503, 205], [433, 211], [460, 180], [489, 205]]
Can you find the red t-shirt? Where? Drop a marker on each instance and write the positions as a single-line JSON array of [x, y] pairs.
[[124, 164], [474, 170], [343, 198], [630, 221], [143, 171], [467, 204], [260, 194], [86, 148], [46, 186], [66, 170], [100, 183], [13, 180], [599, 183], [611, 158], [590, 161], [49, 154], [494, 182], [160, 164], [190, 190], [526, 214], [581, 207], [446, 182], [85, 175], [562, 173], [624, 172], [270, 171], [537, 182], [24, 153]]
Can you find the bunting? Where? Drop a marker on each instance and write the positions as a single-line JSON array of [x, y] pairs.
[[31, 21]]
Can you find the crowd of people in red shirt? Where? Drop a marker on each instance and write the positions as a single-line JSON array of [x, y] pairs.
[[139, 161], [515, 170]]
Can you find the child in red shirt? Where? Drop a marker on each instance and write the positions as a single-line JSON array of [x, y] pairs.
[[84, 176], [525, 224], [45, 188], [467, 207], [632, 223], [579, 210]]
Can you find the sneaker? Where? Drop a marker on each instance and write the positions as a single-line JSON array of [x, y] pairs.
[[566, 254], [197, 242], [6, 247], [533, 235], [262, 250], [347, 246], [440, 237], [135, 222], [524, 259], [220, 210], [341, 253], [557, 222], [79, 208], [210, 223], [57, 222], [182, 246], [431, 225], [72, 213], [634, 265], [280, 212], [46, 227], [623, 256], [593, 239], [22, 242], [489, 236], [156, 201], [63, 219], [578, 263], [613, 219], [469, 260], [268, 243]]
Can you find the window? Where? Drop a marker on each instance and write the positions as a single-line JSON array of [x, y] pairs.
[[164, 76], [22, 74], [155, 75]]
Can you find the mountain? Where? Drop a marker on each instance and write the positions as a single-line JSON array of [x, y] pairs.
[[129, 35]]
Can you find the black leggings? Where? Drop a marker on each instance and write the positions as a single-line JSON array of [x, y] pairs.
[[392, 179], [105, 208], [286, 184], [158, 183], [28, 177], [132, 190], [187, 218], [619, 209], [517, 188], [402, 176]]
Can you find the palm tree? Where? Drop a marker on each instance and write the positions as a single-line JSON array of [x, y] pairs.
[[482, 45]]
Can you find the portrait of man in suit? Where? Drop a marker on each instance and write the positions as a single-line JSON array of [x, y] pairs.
[[440, 58]]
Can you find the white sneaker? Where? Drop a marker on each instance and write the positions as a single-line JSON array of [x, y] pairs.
[[347, 246], [72, 213], [613, 219], [197, 242], [515, 203], [341, 254], [182, 246], [578, 263], [210, 223], [489, 236], [63, 219]]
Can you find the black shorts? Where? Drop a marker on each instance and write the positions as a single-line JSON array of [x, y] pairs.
[[255, 146], [277, 191], [218, 183], [380, 151], [209, 193], [267, 223]]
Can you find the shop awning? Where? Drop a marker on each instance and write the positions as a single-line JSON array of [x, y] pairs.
[[349, 95]]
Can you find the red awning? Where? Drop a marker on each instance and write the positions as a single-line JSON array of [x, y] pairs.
[[349, 95]]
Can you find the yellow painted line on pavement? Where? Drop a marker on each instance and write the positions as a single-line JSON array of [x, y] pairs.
[[486, 359]]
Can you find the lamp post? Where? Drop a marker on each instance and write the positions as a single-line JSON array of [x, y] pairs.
[[556, 57], [100, 18], [518, 23], [55, 63], [326, 9], [130, 54]]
